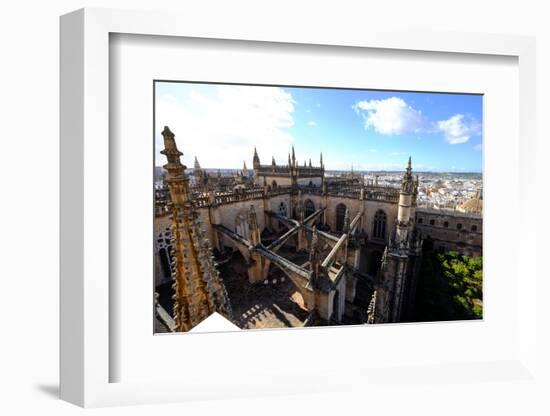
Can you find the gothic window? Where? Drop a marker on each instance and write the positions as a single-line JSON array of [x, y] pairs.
[[446, 224], [164, 250], [282, 212], [282, 209], [419, 220], [432, 222], [474, 228], [165, 263], [309, 208], [274, 184], [241, 225], [379, 226], [340, 214], [459, 226]]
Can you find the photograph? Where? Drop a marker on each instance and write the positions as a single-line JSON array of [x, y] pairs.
[[297, 206]]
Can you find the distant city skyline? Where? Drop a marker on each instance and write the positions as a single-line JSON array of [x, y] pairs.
[[370, 130]]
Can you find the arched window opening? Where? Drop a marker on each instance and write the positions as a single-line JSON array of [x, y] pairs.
[[309, 208], [459, 226], [474, 228], [165, 263], [335, 305], [432, 222], [379, 226], [274, 184], [283, 213], [420, 220], [241, 225], [282, 209], [340, 215], [446, 224]]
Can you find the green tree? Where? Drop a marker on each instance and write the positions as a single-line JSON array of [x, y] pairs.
[[450, 287]]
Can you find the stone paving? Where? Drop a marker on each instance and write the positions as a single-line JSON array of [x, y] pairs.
[[273, 304]]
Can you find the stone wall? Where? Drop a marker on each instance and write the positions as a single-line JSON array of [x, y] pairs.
[[451, 230], [316, 181], [279, 180], [227, 215]]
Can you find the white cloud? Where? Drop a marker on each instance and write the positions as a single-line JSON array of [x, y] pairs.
[[390, 116], [311, 123], [458, 128], [222, 125]]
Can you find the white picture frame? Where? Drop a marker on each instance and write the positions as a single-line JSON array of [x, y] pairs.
[[85, 212]]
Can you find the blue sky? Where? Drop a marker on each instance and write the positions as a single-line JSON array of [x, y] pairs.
[[371, 130]]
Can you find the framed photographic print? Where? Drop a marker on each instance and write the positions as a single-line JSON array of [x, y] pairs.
[[320, 212]]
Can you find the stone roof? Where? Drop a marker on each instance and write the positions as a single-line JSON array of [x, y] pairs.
[[472, 205]]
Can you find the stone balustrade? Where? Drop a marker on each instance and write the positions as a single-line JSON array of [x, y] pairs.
[[212, 198]]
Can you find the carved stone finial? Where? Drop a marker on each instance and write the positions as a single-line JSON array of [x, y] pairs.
[[407, 183], [315, 252], [346, 221], [371, 310]]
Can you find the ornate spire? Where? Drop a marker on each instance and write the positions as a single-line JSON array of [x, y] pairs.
[[300, 212], [407, 183], [309, 162], [253, 228], [256, 159], [384, 261], [273, 161], [371, 310], [245, 170], [293, 156], [321, 160], [197, 165], [198, 289], [289, 165], [345, 228], [315, 253]]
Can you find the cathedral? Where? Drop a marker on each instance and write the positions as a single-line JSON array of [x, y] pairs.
[[289, 246]]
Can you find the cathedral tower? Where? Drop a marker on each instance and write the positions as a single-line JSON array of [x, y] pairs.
[[401, 259]]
